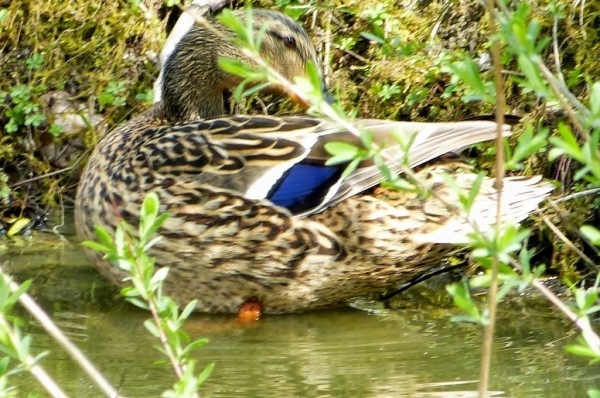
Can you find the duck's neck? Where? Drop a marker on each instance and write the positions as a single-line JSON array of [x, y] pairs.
[[192, 83], [183, 103], [189, 94]]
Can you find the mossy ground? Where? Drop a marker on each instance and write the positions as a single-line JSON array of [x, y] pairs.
[[98, 53]]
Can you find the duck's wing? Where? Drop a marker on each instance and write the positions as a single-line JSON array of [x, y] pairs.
[[431, 140], [255, 157], [283, 159]]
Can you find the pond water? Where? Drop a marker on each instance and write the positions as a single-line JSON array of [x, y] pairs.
[[414, 351]]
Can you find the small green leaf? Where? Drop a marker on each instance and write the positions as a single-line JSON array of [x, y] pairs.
[[152, 229], [189, 308], [96, 246], [528, 145], [591, 233], [238, 93], [17, 226], [236, 67], [151, 327], [565, 145], [581, 350], [351, 167], [474, 191], [594, 101], [205, 373], [462, 299], [229, 19], [23, 287], [256, 88], [533, 77], [372, 37], [593, 393], [35, 120], [56, 130], [151, 243], [342, 152], [35, 61], [150, 205], [315, 77], [11, 126], [159, 276]]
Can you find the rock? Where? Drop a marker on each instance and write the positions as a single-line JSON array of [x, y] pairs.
[[74, 118]]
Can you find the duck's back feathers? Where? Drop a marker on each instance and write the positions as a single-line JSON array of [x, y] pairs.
[[283, 159]]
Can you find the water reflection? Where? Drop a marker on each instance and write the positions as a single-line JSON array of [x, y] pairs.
[[414, 352]]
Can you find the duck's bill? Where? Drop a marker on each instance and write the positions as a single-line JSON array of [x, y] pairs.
[[327, 97], [299, 100]]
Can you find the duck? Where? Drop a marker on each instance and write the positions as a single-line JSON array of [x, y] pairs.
[[256, 214]]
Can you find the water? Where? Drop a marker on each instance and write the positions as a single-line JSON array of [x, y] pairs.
[[414, 351]]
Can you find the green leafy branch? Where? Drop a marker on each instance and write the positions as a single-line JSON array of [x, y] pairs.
[[129, 253]]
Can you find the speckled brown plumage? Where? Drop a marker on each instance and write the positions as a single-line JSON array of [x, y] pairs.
[[226, 243]]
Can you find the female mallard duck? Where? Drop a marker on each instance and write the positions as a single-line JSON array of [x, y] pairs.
[[255, 213]]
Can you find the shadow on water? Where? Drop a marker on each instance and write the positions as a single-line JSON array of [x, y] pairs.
[[411, 352]]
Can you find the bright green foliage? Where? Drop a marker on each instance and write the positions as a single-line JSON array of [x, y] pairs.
[[529, 144], [593, 393], [4, 189], [293, 8], [22, 110], [468, 72], [82, 49], [588, 153], [245, 33], [13, 344], [128, 250], [462, 299], [146, 96], [586, 305], [591, 233], [113, 94]]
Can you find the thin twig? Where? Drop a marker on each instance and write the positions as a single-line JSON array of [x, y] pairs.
[[36, 178], [568, 242], [327, 73], [488, 339], [30, 363], [152, 306], [581, 323], [38, 313], [564, 219], [352, 53], [566, 98], [555, 48], [578, 194]]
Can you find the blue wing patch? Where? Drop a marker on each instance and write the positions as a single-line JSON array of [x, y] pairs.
[[304, 186]]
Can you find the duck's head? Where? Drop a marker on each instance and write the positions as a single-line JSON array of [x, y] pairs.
[[191, 83]]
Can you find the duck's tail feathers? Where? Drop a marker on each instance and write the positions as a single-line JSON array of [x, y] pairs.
[[520, 197]]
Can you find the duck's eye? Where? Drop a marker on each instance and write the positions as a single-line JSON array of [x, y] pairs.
[[289, 41]]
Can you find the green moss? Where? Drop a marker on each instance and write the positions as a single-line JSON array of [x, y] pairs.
[[79, 47]]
